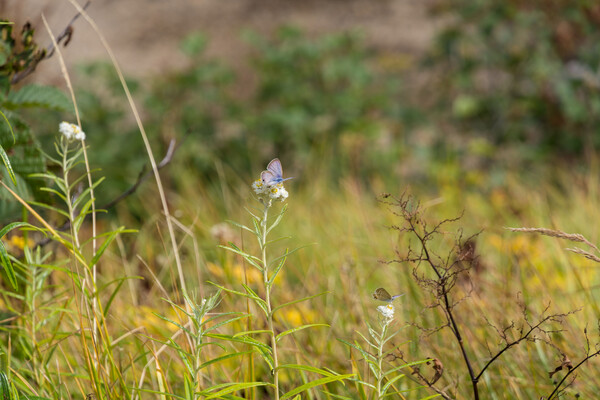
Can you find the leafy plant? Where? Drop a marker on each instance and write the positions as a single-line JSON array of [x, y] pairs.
[[521, 73], [19, 147], [269, 268]]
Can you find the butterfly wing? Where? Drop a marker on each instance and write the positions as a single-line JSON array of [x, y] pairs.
[[268, 178], [382, 295], [274, 167]]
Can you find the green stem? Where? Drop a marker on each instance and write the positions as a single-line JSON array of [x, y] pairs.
[[380, 360], [263, 224]]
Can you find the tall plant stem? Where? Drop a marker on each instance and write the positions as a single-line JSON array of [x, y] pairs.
[[263, 245], [380, 361], [449, 315], [93, 292]]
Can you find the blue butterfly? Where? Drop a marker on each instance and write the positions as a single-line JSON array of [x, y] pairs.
[[383, 295], [273, 174]]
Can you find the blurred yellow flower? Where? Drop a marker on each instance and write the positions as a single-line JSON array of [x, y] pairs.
[[236, 272], [297, 316], [17, 243]]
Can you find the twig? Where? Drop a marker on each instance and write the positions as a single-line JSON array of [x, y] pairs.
[[522, 336], [420, 378], [142, 177], [66, 34], [446, 277], [570, 371]]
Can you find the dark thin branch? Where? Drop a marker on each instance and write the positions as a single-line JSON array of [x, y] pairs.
[[65, 35], [570, 372], [522, 337], [142, 177], [443, 284], [417, 376]]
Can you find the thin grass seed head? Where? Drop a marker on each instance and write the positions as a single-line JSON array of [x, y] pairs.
[[71, 131]]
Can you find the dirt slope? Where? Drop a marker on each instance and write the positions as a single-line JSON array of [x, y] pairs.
[[144, 34]]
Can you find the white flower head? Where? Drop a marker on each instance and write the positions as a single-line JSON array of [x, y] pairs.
[[259, 187], [278, 192], [71, 131], [387, 312], [267, 193]]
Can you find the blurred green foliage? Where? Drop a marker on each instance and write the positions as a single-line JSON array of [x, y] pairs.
[[17, 55], [521, 72], [313, 92], [309, 99]]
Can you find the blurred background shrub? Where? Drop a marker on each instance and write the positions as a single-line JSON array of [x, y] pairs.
[[521, 73], [312, 100], [507, 84]]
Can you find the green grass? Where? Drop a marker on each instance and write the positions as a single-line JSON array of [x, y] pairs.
[[134, 331], [349, 235]]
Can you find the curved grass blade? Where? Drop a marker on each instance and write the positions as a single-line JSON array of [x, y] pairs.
[[230, 388], [297, 301], [294, 330], [312, 384]]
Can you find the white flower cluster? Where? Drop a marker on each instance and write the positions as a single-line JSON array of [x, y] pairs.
[[387, 312], [273, 192], [71, 131]]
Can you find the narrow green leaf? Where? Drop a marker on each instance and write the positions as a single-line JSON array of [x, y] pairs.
[[14, 225], [297, 301], [312, 384], [287, 253], [254, 261], [112, 296], [104, 246], [83, 213], [276, 270], [336, 396], [5, 260], [55, 192], [188, 388], [183, 328], [243, 227], [251, 332], [232, 388], [242, 339], [229, 321], [251, 295], [251, 213], [354, 346], [433, 396], [410, 364], [11, 132], [277, 219], [49, 207], [7, 164], [391, 382], [3, 154], [308, 368], [293, 330], [225, 357]]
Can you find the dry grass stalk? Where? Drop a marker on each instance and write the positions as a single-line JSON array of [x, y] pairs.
[[584, 253], [574, 237]]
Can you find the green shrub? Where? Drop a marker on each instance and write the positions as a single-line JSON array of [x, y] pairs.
[[17, 56], [521, 72], [313, 98]]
